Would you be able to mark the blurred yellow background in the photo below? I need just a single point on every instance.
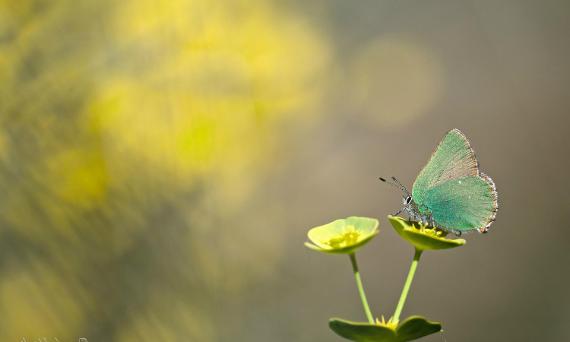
(161, 163)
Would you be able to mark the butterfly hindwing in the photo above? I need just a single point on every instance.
(463, 204)
(453, 158)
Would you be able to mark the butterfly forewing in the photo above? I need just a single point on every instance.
(453, 158)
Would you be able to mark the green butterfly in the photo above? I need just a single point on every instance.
(451, 192)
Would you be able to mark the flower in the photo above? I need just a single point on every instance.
(422, 237)
(342, 236)
(411, 328)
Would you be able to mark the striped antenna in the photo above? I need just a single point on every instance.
(396, 183)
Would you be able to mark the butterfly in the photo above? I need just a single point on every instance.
(451, 193)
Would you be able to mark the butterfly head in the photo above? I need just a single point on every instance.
(409, 207)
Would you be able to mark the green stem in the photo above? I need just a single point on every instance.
(407, 285)
(361, 288)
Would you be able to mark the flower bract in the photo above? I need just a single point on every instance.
(423, 237)
(410, 329)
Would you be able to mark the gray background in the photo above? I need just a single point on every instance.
(148, 244)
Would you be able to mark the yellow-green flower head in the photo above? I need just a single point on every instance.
(342, 236)
(422, 237)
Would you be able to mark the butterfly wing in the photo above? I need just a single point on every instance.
(453, 158)
(463, 204)
(452, 189)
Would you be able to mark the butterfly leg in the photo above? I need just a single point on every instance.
(431, 221)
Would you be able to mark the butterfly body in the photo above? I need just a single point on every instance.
(451, 192)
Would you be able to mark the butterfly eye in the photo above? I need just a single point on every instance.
(408, 199)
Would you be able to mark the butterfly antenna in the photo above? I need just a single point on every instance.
(396, 184)
(404, 189)
(388, 182)
(401, 186)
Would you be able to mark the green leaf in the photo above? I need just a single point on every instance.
(415, 327)
(412, 328)
(342, 236)
(362, 332)
(422, 237)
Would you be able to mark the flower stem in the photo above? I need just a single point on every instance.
(407, 285)
(361, 288)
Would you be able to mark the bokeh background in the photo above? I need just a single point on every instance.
(161, 162)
